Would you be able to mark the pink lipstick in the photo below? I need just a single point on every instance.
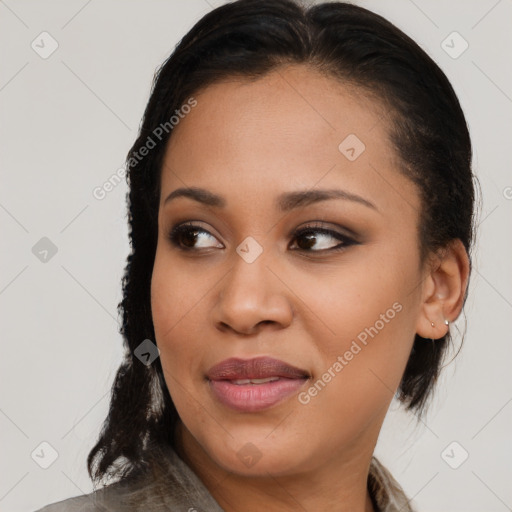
(251, 385)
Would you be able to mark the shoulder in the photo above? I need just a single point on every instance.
(111, 498)
(168, 485)
(153, 496)
(386, 492)
(71, 504)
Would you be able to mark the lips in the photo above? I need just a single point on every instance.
(252, 385)
(256, 368)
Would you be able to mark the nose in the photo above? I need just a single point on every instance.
(253, 297)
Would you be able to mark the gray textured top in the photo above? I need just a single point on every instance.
(173, 486)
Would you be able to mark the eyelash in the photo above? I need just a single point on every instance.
(345, 240)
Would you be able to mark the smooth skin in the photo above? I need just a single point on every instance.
(299, 301)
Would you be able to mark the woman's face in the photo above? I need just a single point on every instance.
(339, 302)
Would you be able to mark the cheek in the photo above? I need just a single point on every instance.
(176, 293)
(360, 371)
(371, 314)
(177, 296)
(169, 306)
(368, 295)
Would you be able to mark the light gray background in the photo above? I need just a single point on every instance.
(67, 124)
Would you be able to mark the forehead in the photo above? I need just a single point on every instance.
(292, 128)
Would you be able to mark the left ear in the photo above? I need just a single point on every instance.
(444, 290)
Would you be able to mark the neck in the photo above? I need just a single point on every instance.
(340, 484)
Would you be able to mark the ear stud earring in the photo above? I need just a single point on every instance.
(446, 322)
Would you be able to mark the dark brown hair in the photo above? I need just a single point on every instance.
(249, 38)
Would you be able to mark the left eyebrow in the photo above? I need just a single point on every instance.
(285, 202)
(291, 200)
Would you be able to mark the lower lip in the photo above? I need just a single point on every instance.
(254, 397)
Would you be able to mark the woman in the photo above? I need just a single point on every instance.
(301, 212)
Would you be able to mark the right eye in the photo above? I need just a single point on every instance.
(186, 236)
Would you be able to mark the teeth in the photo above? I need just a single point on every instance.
(241, 382)
(261, 381)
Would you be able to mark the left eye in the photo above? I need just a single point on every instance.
(321, 238)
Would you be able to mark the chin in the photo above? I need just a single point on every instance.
(256, 456)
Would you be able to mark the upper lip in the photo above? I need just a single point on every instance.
(255, 368)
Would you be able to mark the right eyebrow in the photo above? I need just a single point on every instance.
(200, 195)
